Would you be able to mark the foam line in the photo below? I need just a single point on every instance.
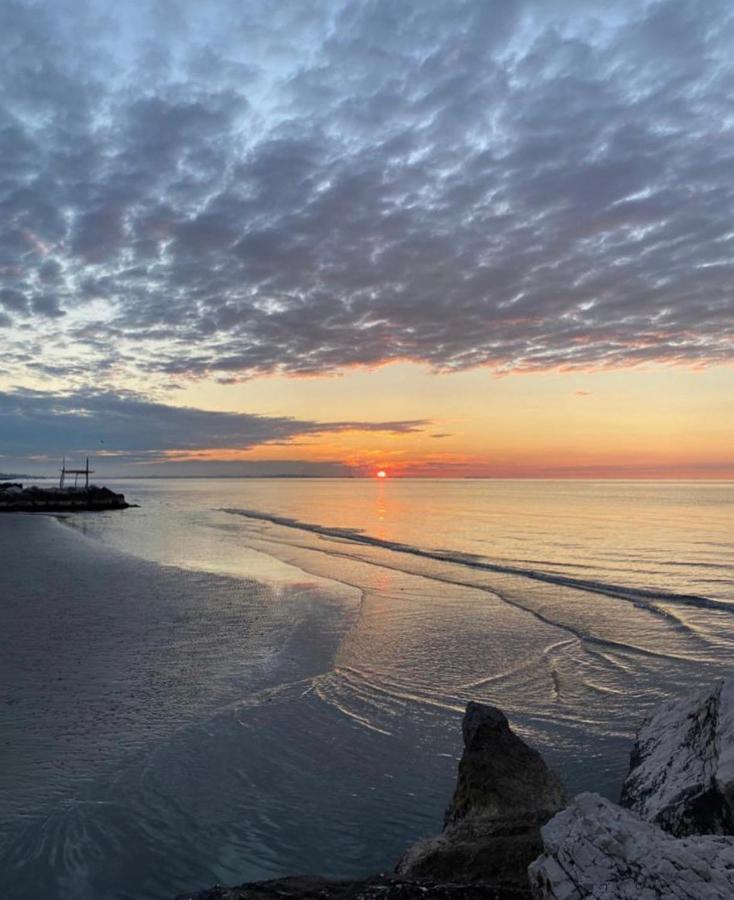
(355, 535)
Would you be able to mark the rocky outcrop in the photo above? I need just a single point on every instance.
(504, 793)
(377, 888)
(681, 779)
(682, 765)
(595, 849)
(16, 498)
(507, 835)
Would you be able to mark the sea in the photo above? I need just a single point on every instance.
(246, 678)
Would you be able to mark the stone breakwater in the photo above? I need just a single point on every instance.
(511, 833)
(16, 498)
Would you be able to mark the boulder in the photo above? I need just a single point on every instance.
(682, 765)
(595, 849)
(504, 793)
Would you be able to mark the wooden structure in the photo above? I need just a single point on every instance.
(86, 472)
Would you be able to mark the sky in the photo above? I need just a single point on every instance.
(437, 237)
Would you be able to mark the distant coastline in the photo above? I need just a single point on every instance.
(16, 476)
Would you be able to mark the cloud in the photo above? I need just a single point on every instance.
(132, 428)
(295, 188)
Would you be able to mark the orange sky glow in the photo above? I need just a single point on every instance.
(664, 422)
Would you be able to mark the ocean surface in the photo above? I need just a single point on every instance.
(244, 678)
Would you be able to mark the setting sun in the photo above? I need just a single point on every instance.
(382, 474)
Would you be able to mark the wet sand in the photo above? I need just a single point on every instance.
(158, 726)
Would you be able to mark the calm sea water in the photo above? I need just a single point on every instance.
(299, 654)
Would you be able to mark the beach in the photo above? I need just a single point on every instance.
(138, 717)
(199, 691)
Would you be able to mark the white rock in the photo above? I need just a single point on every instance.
(595, 850)
(682, 766)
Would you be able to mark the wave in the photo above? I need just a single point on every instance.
(641, 596)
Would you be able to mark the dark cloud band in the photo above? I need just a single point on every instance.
(35, 422)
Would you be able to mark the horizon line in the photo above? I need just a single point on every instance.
(292, 477)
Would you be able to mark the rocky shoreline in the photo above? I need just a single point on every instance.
(16, 498)
(511, 832)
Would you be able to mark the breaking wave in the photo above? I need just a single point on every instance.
(638, 596)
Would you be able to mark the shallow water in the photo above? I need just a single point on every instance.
(245, 678)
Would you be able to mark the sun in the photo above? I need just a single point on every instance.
(382, 474)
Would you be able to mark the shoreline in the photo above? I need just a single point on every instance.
(117, 677)
(293, 760)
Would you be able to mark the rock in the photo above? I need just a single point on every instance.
(504, 793)
(377, 888)
(682, 765)
(16, 498)
(595, 849)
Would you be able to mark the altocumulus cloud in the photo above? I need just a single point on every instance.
(243, 188)
(35, 422)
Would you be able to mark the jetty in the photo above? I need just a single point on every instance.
(81, 496)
